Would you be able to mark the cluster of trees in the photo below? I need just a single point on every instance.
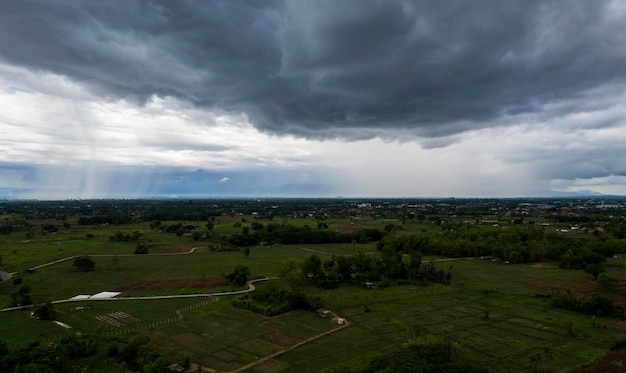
(274, 301)
(136, 355)
(50, 228)
(15, 226)
(591, 262)
(516, 244)
(49, 357)
(595, 304)
(289, 234)
(580, 258)
(184, 211)
(361, 269)
(68, 353)
(115, 218)
(179, 229)
(121, 237)
(22, 296)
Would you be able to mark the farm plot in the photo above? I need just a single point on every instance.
(226, 338)
(492, 315)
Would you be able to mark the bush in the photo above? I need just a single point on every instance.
(606, 282)
(141, 248)
(44, 311)
(239, 276)
(84, 263)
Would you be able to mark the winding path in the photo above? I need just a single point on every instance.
(192, 250)
(250, 288)
(250, 283)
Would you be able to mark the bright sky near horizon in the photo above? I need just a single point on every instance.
(126, 99)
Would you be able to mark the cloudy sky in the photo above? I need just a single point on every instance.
(312, 98)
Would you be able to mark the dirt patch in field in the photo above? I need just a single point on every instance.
(620, 326)
(167, 249)
(545, 286)
(281, 338)
(542, 265)
(612, 363)
(174, 284)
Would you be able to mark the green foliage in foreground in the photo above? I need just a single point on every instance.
(424, 355)
(71, 352)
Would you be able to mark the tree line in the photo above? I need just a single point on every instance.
(289, 234)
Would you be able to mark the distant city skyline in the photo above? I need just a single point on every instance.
(135, 99)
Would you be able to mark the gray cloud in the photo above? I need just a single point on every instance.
(321, 69)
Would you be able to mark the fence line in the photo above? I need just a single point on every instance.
(154, 324)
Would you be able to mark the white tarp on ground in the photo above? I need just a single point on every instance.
(105, 294)
(101, 295)
(82, 296)
(5, 275)
(62, 324)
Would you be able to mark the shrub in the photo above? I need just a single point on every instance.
(84, 263)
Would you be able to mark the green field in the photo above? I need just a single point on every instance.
(494, 311)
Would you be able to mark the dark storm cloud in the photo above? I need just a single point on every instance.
(325, 69)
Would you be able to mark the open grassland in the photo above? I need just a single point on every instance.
(493, 315)
(495, 312)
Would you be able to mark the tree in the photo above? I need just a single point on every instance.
(22, 296)
(44, 311)
(567, 259)
(290, 275)
(239, 276)
(606, 282)
(155, 366)
(312, 268)
(84, 263)
(246, 251)
(594, 270)
(141, 248)
(4, 349)
(414, 264)
(196, 235)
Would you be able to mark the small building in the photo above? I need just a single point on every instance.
(175, 368)
(322, 312)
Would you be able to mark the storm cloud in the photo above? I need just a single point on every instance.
(312, 98)
(333, 69)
